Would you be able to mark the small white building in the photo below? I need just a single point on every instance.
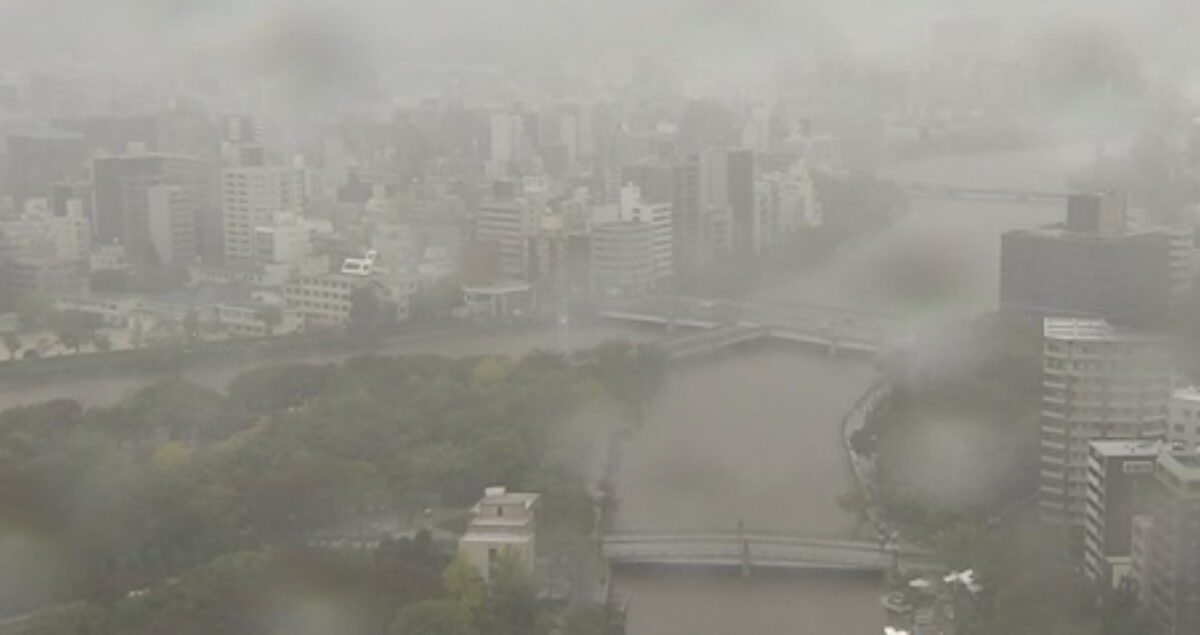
(501, 301)
(251, 319)
(503, 522)
(1183, 419)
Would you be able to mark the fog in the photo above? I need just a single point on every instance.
(584, 317)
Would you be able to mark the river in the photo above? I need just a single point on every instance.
(755, 436)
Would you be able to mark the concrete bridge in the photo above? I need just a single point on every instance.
(725, 323)
(751, 550)
(939, 191)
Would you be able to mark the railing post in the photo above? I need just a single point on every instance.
(745, 549)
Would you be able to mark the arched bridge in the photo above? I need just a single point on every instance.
(727, 322)
(749, 550)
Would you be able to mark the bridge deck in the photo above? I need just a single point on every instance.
(757, 550)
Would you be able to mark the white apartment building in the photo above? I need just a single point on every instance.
(171, 223)
(507, 139)
(622, 259)
(1183, 419)
(46, 254)
(513, 225)
(37, 233)
(784, 203)
(326, 299)
(249, 198)
(658, 217)
(1099, 382)
(287, 238)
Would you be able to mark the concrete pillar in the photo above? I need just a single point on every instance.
(745, 549)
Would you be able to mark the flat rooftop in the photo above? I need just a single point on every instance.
(1189, 393)
(1095, 329)
(1185, 467)
(1128, 447)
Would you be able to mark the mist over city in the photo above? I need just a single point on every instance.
(569, 317)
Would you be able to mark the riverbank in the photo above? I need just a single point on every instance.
(863, 467)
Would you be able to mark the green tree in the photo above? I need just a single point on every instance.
(511, 605)
(632, 375)
(271, 388)
(464, 585)
(76, 618)
(434, 617)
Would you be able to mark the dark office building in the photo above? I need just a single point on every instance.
(1093, 267)
(38, 159)
(677, 183)
(741, 200)
(120, 189)
(1119, 473)
(63, 192)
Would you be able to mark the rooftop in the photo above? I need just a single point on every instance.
(1185, 467)
(1128, 447)
(508, 286)
(474, 535)
(501, 496)
(1094, 329)
(1189, 393)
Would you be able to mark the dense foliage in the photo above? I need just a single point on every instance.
(181, 489)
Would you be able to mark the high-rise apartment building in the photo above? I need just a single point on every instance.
(658, 216)
(250, 196)
(622, 259)
(1098, 382)
(1172, 572)
(509, 225)
(171, 224)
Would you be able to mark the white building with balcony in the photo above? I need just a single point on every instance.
(1098, 382)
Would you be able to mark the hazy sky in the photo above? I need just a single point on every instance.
(699, 33)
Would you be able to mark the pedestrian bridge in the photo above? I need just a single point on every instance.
(750, 550)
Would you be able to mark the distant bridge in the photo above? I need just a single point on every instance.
(724, 323)
(750, 550)
(941, 191)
